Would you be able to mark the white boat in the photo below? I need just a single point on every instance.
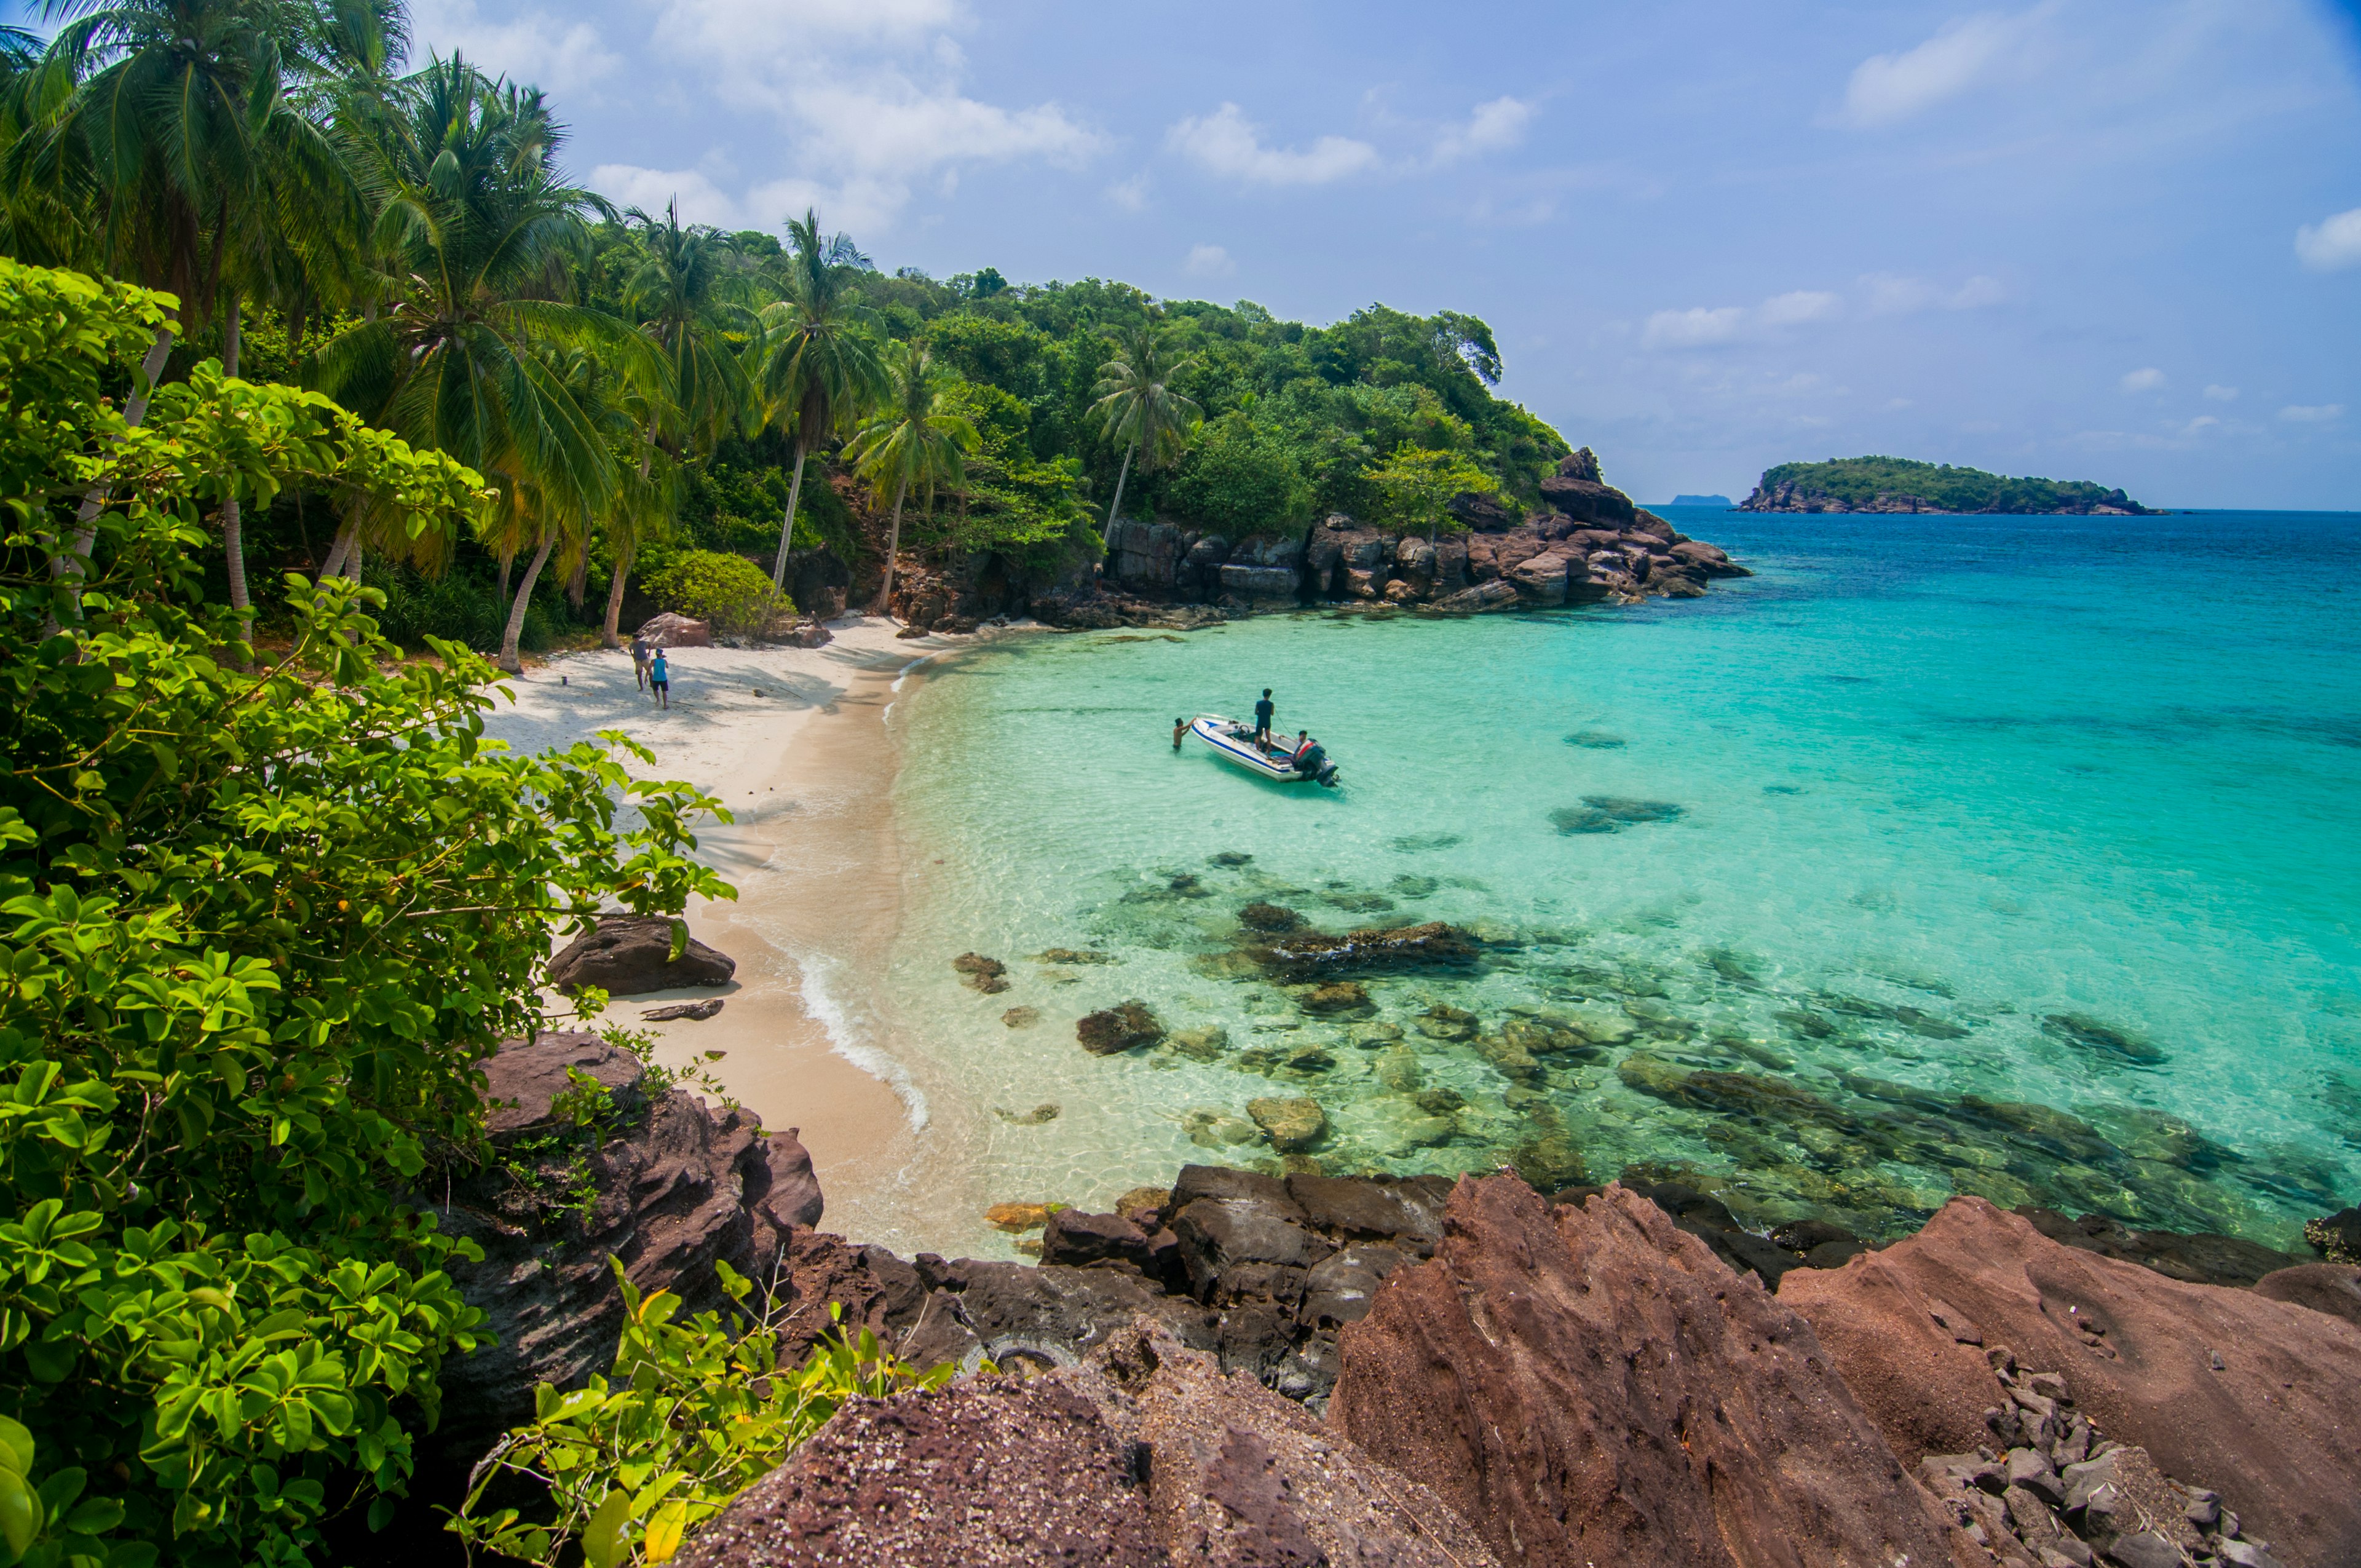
(1235, 741)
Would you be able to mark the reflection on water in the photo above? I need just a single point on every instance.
(1880, 878)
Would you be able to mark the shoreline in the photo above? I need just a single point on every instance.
(807, 771)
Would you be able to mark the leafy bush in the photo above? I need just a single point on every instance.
(1240, 480)
(260, 923)
(459, 607)
(729, 591)
(691, 1415)
(1417, 485)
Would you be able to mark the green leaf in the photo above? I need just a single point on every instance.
(605, 1541)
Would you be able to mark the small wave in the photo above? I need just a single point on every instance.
(822, 978)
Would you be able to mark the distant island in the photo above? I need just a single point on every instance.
(1899, 485)
(1700, 501)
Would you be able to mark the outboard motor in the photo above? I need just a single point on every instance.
(1326, 776)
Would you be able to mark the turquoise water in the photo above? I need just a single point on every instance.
(2011, 856)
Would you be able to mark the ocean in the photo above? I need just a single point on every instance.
(2010, 856)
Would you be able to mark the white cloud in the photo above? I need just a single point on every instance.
(2145, 380)
(891, 127)
(1130, 194)
(1890, 295)
(701, 202)
(2219, 394)
(775, 25)
(1694, 328)
(2201, 424)
(1799, 307)
(1494, 126)
(531, 47)
(2331, 243)
(1966, 53)
(1226, 143)
(2312, 413)
(1209, 261)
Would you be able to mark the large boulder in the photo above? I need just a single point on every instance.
(2228, 1388)
(817, 582)
(1589, 1385)
(2330, 1287)
(1260, 585)
(661, 1184)
(671, 630)
(628, 955)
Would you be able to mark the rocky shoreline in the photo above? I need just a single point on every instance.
(1250, 1367)
(1587, 544)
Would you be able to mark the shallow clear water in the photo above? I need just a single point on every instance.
(2013, 856)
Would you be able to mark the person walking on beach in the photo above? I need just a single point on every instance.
(660, 680)
(1263, 711)
(639, 659)
(1179, 728)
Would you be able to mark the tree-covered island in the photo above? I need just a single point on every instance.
(1900, 485)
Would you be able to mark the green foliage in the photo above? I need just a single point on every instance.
(1241, 480)
(1009, 501)
(727, 591)
(460, 607)
(1418, 485)
(691, 1415)
(256, 926)
(1857, 481)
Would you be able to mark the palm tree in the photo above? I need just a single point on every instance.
(911, 442)
(690, 294)
(478, 225)
(533, 516)
(179, 110)
(821, 365)
(1137, 406)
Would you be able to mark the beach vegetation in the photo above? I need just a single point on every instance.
(728, 592)
(1418, 486)
(910, 442)
(691, 1414)
(261, 913)
(1139, 410)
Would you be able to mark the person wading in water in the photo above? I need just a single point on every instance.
(1179, 728)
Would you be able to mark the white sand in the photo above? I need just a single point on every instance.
(807, 768)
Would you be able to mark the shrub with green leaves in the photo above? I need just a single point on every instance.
(259, 918)
(728, 592)
(691, 1415)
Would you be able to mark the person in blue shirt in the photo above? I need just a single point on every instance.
(660, 680)
(1263, 711)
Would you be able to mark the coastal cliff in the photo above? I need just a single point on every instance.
(1587, 544)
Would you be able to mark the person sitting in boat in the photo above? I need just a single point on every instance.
(1301, 740)
(1308, 761)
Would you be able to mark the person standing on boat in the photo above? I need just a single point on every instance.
(1263, 711)
(1179, 728)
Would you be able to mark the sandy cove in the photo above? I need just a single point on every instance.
(807, 769)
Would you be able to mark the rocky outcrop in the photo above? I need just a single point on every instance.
(2330, 1287)
(2227, 1387)
(1144, 1453)
(1590, 1385)
(817, 582)
(671, 630)
(589, 1166)
(627, 955)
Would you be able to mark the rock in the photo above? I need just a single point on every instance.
(672, 1189)
(1339, 1288)
(1079, 1240)
(1408, 1211)
(1074, 955)
(2330, 1287)
(1340, 996)
(1124, 1026)
(1494, 594)
(1007, 1470)
(693, 1012)
(1444, 1022)
(670, 630)
(1304, 954)
(980, 973)
(1141, 1204)
(1259, 586)
(1540, 579)
(1221, 1237)
(1269, 917)
(1292, 1124)
(1041, 1116)
(1021, 1017)
(2031, 1469)
(2336, 1236)
(1204, 1042)
(2198, 1259)
(1524, 1373)
(1709, 558)
(1018, 1218)
(627, 955)
(2137, 1348)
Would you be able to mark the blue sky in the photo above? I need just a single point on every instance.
(2112, 239)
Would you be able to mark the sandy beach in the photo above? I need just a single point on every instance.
(795, 742)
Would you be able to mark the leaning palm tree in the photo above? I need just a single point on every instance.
(1137, 406)
(912, 441)
(821, 365)
(534, 517)
(478, 226)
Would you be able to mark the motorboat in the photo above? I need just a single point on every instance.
(1235, 741)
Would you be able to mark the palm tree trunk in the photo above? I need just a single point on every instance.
(612, 636)
(509, 660)
(67, 567)
(232, 524)
(788, 527)
(892, 546)
(508, 559)
(338, 549)
(578, 585)
(1119, 479)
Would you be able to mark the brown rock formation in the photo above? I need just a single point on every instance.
(631, 954)
(2257, 1397)
(1590, 1386)
(2330, 1287)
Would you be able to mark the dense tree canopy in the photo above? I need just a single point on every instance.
(1860, 481)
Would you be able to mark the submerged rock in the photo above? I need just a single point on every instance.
(1021, 1017)
(2105, 1039)
(980, 973)
(1292, 1124)
(1610, 813)
(1269, 917)
(1124, 1026)
(1343, 996)
(1019, 1218)
(1303, 954)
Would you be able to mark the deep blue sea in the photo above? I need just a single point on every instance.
(2015, 856)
